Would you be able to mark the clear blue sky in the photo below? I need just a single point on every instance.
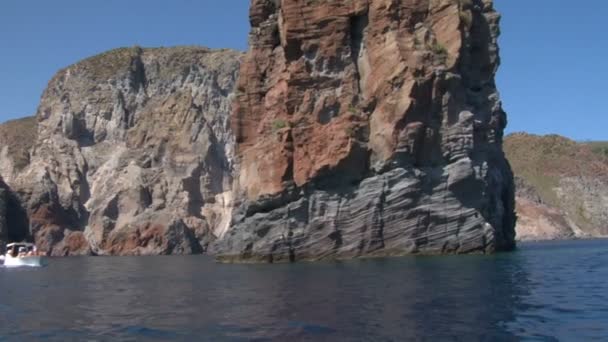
(552, 78)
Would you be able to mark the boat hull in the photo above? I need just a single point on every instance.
(31, 261)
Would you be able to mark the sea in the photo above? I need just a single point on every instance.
(546, 291)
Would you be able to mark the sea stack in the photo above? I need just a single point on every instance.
(369, 128)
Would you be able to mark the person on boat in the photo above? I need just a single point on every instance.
(22, 252)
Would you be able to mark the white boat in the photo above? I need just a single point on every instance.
(22, 254)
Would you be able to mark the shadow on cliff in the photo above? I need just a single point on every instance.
(17, 219)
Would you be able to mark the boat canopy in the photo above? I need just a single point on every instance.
(20, 244)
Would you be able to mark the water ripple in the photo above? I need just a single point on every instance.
(543, 292)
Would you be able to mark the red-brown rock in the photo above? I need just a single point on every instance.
(336, 95)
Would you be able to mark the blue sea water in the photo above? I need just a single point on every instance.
(544, 291)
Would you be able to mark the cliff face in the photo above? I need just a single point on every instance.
(562, 186)
(133, 153)
(13, 219)
(3, 212)
(536, 219)
(360, 129)
(369, 128)
(17, 137)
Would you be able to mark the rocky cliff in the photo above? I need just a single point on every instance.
(17, 138)
(13, 219)
(562, 186)
(358, 129)
(369, 128)
(133, 154)
(3, 212)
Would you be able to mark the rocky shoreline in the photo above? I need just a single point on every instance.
(374, 131)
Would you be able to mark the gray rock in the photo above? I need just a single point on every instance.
(402, 211)
(389, 139)
(350, 145)
(3, 207)
(133, 153)
(13, 218)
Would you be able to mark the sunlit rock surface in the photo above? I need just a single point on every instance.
(133, 153)
(369, 128)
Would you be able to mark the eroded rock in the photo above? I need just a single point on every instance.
(369, 129)
(133, 153)
(14, 222)
(360, 129)
(3, 208)
(561, 186)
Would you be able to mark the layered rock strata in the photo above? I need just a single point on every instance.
(133, 153)
(369, 128)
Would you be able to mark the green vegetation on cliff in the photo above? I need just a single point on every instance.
(566, 174)
(599, 147)
(110, 63)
